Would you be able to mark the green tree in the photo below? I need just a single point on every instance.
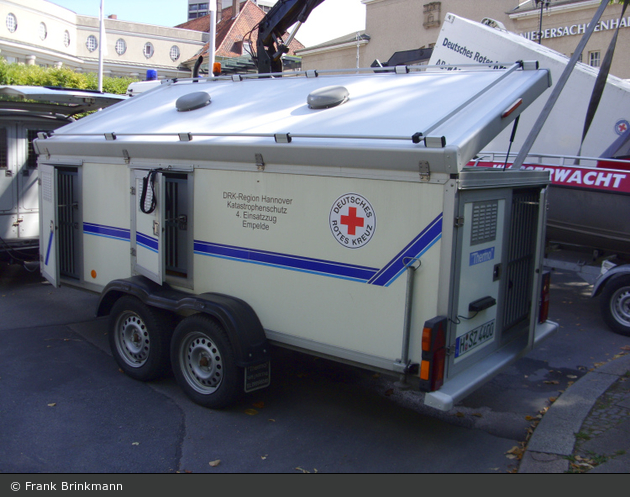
(64, 77)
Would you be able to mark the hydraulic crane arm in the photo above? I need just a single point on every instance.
(270, 46)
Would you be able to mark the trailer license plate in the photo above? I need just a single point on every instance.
(257, 377)
(474, 338)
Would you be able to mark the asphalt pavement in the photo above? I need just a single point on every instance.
(587, 429)
(82, 415)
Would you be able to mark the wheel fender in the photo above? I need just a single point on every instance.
(615, 272)
(237, 317)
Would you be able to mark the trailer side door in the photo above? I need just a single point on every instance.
(147, 224)
(48, 244)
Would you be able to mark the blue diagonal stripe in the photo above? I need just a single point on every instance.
(286, 261)
(418, 246)
(146, 241)
(106, 231)
(383, 277)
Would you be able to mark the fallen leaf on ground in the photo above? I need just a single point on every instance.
(214, 464)
(251, 412)
(259, 405)
(551, 382)
(52, 405)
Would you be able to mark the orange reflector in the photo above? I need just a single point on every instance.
(425, 370)
(512, 108)
(216, 68)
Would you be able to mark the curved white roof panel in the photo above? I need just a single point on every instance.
(63, 101)
(440, 116)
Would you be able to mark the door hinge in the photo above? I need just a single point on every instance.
(450, 350)
(425, 171)
(260, 163)
(459, 221)
(133, 251)
(132, 190)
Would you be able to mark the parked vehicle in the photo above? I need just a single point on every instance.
(330, 213)
(26, 111)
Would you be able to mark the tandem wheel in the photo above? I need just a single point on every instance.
(139, 339)
(203, 362)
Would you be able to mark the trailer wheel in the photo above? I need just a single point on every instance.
(139, 338)
(203, 362)
(615, 305)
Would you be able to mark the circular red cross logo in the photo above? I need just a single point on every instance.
(352, 220)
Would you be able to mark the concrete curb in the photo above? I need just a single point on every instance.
(554, 437)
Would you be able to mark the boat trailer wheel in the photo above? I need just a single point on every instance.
(615, 305)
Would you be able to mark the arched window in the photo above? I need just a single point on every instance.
(148, 50)
(11, 23)
(121, 46)
(42, 31)
(175, 53)
(91, 43)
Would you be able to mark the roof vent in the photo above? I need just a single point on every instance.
(329, 96)
(192, 101)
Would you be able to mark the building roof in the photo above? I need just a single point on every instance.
(232, 31)
(342, 40)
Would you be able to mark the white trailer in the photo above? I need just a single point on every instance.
(26, 111)
(328, 213)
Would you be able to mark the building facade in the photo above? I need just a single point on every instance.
(236, 38)
(42, 33)
(201, 9)
(400, 25)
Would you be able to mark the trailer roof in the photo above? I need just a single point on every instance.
(63, 101)
(427, 114)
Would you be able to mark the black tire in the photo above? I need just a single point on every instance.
(615, 304)
(203, 363)
(139, 339)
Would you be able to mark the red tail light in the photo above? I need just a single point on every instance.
(544, 297)
(433, 354)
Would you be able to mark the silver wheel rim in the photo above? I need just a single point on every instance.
(620, 306)
(201, 363)
(132, 339)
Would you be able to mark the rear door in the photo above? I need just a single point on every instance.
(480, 242)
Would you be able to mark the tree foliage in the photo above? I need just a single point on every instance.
(64, 77)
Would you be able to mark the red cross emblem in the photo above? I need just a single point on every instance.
(352, 221)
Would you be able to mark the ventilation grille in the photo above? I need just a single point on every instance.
(484, 222)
